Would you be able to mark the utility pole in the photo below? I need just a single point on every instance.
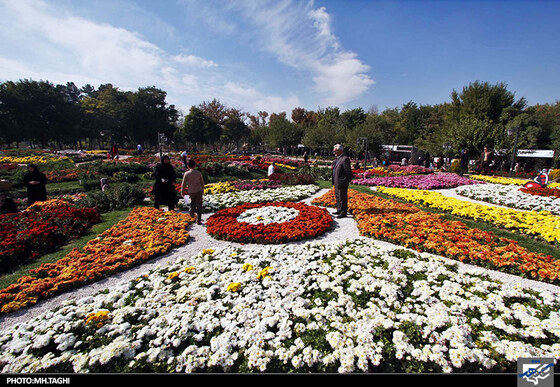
(515, 130)
(364, 141)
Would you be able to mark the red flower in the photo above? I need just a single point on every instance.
(41, 228)
(310, 222)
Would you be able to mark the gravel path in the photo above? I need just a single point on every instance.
(343, 229)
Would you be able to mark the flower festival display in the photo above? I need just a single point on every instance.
(533, 199)
(146, 232)
(277, 222)
(347, 306)
(235, 198)
(254, 293)
(41, 228)
(541, 224)
(499, 179)
(406, 225)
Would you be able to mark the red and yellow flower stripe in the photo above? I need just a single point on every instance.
(146, 232)
(41, 228)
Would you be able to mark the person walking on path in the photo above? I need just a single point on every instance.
(341, 178)
(35, 181)
(485, 160)
(193, 184)
(184, 158)
(164, 189)
(464, 162)
(114, 152)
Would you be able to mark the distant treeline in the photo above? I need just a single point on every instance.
(48, 115)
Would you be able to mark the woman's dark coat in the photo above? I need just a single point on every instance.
(164, 193)
(35, 192)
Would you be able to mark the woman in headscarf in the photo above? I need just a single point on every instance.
(35, 181)
(164, 189)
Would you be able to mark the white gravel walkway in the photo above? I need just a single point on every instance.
(343, 229)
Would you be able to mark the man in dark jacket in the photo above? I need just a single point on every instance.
(341, 178)
(35, 181)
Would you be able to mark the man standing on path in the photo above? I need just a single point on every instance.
(341, 178)
(193, 180)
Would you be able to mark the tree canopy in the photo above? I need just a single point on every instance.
(44, 114)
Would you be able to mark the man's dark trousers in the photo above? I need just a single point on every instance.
(341, 195)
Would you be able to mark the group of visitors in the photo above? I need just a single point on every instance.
(192, 184)
(192, 187)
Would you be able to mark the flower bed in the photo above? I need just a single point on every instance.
(146, 232)
(320, 307)
(277, 222)
(249, 185)
(432, 181)
(238, 185)
(541, 191)
(535, 199)
(231, 199)
(39, 229)
(541, 224)
(409, 169)
(406, 225)
(62, 175)
(500, 180)
(34, 159)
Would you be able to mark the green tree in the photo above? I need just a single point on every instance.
(37, 111)
(282, 133)
(147, 114)
(484, 101)
(200, 129)
(375, 129)
(104, 114)
(351, 119)
(327, 132)
(474, 134)
(235, 130)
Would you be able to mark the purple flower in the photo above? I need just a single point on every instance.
(432, 181)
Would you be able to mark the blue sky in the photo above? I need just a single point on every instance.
(275, 55)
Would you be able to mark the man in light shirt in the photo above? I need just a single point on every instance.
(193, 182)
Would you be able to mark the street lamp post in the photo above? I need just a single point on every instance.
(363, 141)
(447, 146)
(511, 131)
(161, 139)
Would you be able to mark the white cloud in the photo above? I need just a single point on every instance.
(54, 44)
(192, 60)
(256, 101)
(42, 40)
(322, 22)
(301, 36)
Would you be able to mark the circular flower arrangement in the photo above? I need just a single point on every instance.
(267, 223)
